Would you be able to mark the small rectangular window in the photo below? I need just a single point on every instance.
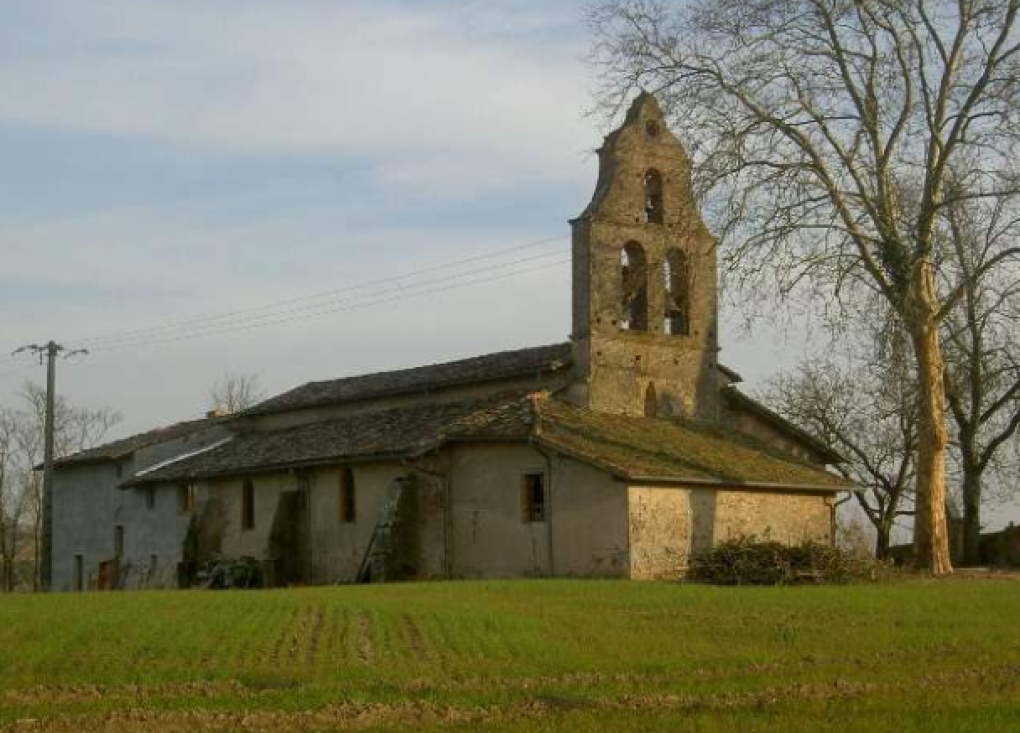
(79, 572)
(150, 498)
(185, 498)
(118, 541)
(347, 497)
(248, 505)
(533, 497)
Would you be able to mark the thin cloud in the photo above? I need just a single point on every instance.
(304, 78)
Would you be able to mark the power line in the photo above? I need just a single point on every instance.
(357, 305)
(198, 321)
(317, 308)
(249, 318)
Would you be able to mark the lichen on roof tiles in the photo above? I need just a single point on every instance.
(390, 433)
(673, 449)
(630, 447)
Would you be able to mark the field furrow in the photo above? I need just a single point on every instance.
(516, 656)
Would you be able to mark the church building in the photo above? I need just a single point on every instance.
(619, 453)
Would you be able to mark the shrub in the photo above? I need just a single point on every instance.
(749, 561)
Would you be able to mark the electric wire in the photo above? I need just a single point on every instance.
(343, 306)
(225, 325)
(239, 314)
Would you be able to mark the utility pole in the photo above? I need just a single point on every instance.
(49, 352)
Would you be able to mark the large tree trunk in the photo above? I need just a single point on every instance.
(972, 487)
(931, 536)
(882, 540)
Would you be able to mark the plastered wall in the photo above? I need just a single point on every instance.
(584, 533)
(336, 548)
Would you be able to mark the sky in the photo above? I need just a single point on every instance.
(168, 161)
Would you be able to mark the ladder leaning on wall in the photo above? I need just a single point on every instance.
(373, 564)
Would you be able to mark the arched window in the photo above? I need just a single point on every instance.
(676, 272)
(633, 288)
(653, 196)
(651, 401)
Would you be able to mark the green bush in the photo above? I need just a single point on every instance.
(749, 561)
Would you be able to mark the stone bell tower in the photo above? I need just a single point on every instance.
(644, 280)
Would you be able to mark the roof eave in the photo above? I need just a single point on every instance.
(741, 485)
(277, 467)
(730, 374)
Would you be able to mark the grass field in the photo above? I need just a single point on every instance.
(517, 656)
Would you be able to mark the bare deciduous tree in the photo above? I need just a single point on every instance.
(982, 356)
(807, 120)
(12, 498)
(21, 450)
(867, 412)
(235, 391)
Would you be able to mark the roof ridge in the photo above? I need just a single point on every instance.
(447, 362)
(493, 366)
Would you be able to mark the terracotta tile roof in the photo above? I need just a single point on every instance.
(639, 448)
(490, 367)
(633, 448)
(118, 449)
(394, 433)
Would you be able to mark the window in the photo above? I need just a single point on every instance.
(653, 196)
(248, 504)
(651, 401)
(676, 272)
(633, 288)
(533, 497)
(185, 498)
(347, 497)
(118, 541)
(150, 498)
(652, 128)
(79, 572)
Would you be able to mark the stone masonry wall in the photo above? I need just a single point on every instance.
(670, 523)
